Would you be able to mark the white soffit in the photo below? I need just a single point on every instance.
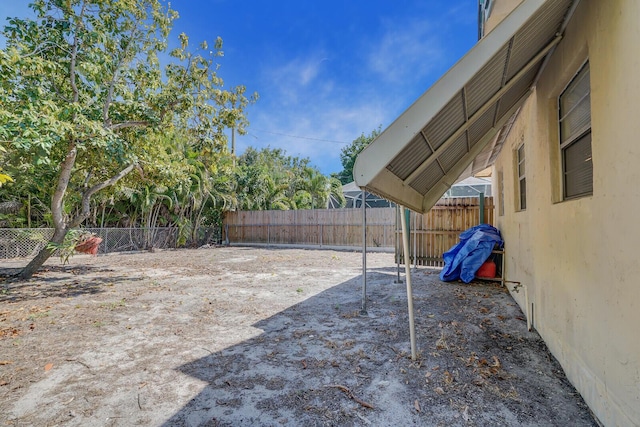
(422, 153)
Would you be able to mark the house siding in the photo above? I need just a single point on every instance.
(500, 10)
(578, 258)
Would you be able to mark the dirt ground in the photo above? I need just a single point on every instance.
(253, 336)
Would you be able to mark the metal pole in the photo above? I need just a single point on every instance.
(396, 243)
(481, 208)
(407, 271)
(363, 310)
(407, 218)
(415, 241)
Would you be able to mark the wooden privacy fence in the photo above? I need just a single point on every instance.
(435, 232)
(432, 234)
(317, 227)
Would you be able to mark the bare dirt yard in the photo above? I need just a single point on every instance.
(252, 336)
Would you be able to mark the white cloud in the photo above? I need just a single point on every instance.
(410, 50)
(294, 76)
(318, 131)
(310, 101)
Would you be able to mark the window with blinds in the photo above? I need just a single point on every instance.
(575, 136)
(522, 180)
(500, 193)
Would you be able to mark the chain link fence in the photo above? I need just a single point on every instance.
(27, 242)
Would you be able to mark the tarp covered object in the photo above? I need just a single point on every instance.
(464, 259)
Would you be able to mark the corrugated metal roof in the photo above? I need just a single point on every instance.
(416, 159)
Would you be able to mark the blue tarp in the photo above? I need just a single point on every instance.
(464, 259)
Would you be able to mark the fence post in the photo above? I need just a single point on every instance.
(384, 235)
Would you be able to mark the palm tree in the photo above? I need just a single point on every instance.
(318, 187)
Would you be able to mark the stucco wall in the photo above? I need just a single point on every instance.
(579, 259)
(499, 11)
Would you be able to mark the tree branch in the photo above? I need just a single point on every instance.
(86, 196)
(116, 74)
(129, 124)
(74, 57)
(57, 199)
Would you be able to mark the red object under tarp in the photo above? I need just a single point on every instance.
(89, 246)
(487, 270)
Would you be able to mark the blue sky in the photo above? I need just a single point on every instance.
(327, 71)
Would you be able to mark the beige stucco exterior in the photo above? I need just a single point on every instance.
(579, 259)
(499, 10)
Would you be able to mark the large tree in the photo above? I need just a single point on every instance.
(270, 179)
(349, 153)
(83, 92)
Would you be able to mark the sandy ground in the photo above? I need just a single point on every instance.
(246, 336)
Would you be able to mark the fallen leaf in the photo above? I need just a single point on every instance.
(479, 381)
(48, 366)
(448, 378)
(416, 405)
(439, 390)
(465, 413)
(496, 362)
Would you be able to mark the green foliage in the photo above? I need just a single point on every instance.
(84, 100)
(96, 129)
(84, 78)
(269, 179)
(349, 153)
(68, 247)
(4, 178)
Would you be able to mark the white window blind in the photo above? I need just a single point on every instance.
(575, 136)
(522, 180)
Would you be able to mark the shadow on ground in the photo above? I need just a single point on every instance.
(321, 363)
(60, 282)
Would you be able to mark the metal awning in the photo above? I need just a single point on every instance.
(422, 153)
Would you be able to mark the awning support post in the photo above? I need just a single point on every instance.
(397, 243)
(407, 270)
(363, 309)
(481, 208)
(415, 241)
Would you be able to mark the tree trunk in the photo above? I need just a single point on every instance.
(44, 254)
(66, 168)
